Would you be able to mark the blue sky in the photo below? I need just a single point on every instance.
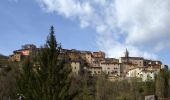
(25, 22)
(107, 25)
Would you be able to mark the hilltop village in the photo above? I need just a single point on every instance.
(97, 63)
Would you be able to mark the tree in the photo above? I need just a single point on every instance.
(28, 84)
(8, 77)
(50, 79)
(101, 87)
(162, 83)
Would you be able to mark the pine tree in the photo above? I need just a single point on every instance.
(27, 85)
(51, 75)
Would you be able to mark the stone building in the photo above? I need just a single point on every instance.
(154, 65)
(128, 63)
(151, 62)
(19, 55)
(137, 61)
(95, 70)
(112, 60)
(142, 73)
(73, 54)
(96, 62)
(125, 67)
(112, 69)
(99, 54)
(75, 65)
(86, 55)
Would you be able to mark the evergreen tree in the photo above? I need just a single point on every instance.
(53, 71)
(28, 83)
(50, 79)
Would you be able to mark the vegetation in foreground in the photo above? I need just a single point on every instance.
(48, 77)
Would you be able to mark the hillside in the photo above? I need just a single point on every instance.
(3, 56)
(3, 59)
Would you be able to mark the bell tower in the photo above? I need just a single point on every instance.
(127, 55)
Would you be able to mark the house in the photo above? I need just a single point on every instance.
(112, 60)
(95, 70)
(164, 66)
(99, 54)
(135, 72)
(138, 61)
(150, 97)
(125, 67)
(73, 54)
(75, 66)
(97, 61)
(148, 75)
(87, 56)
(151, 62)
(142, 73)
(19, 55)
(112, 69)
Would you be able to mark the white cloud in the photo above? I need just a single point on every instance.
(120, 24)
(145, 21)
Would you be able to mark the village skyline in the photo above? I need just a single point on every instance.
(88, 28)
(84, 49)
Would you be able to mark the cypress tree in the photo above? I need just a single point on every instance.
(51, 75)
(27, 84)
(53, 71)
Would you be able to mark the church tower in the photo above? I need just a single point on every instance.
(127, 55)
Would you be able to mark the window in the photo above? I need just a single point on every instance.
(95, 72)
(90, 72)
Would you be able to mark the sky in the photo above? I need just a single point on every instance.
(141, 26)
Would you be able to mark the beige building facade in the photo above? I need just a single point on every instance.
(95, 70)
(75, 65)
(142, 73)
(97, 62)
(112, 69)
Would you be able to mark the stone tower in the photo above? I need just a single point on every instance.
(126, 55)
